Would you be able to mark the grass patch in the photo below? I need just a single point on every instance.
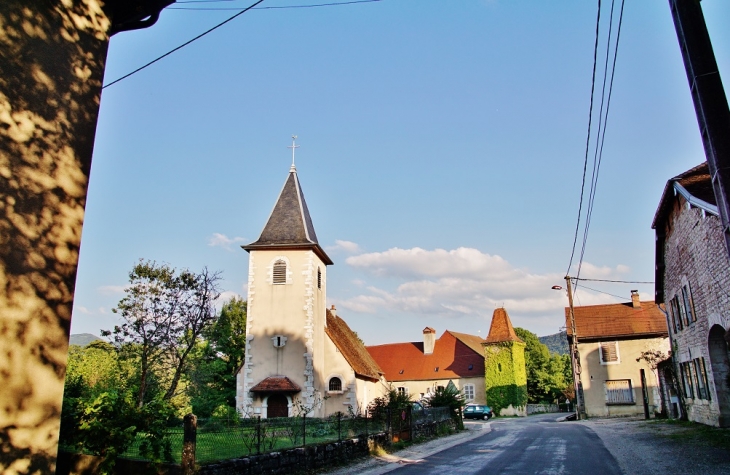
(686, 431)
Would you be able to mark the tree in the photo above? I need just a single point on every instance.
(215, 361)
(165, 312)
(545, 372)
(450, 397)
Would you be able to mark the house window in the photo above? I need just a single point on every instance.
(672, 316)
(402, 390)
(688, 304)
(687, 380)
(279, 273)
(618, 391)
(699, 369)
(609, 352)
(319, 278)
(675, 308)
(469, 392)
(335, 384)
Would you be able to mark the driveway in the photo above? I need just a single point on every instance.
(540, 445)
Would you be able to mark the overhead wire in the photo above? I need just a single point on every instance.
(280, 7)
(588, 138)
(184, 44)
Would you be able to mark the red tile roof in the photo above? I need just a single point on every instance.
(501, 328)
(352, 348)
(453, 353)
(276, 384)
(619, 320)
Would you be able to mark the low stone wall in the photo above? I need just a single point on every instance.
(540, 408)
(430, 428)
(297, 460)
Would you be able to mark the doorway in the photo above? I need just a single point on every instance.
(278, 406)
(720, 369)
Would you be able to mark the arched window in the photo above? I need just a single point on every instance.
(335, 384)
(279, 272)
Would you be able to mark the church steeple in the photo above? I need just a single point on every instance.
(290, 225)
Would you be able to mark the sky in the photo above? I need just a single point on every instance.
(442, 145)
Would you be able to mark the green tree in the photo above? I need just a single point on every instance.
(215, 362)
(165, 313)
(545, 372)
(450, 397)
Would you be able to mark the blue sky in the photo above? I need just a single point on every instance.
(442, 146)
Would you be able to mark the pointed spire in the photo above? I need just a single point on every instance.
(501, 328)
(290, 225)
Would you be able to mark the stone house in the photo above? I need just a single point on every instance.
(693, 281)
(300, 356)
(418, 368)
(611, 338)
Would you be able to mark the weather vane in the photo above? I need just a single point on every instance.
(293, 148)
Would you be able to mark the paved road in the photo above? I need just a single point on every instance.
(531, 445)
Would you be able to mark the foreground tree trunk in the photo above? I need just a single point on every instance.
(52, 56)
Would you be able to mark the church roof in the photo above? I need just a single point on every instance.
(352, 348)
(276, 384)
(290, 225)
(455, 355)
(501, 329)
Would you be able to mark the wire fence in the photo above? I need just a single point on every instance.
(224, 439)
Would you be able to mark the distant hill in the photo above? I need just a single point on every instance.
(556, 343)
(83, 339)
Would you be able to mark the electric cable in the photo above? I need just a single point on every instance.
(282, 7)
(588, 138)
(184, 44)
(614, 281)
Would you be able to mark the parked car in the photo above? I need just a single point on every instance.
(476, 411)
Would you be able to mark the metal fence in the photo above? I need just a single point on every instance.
(541, 408)
(221, 439)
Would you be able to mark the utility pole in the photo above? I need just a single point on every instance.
(709, 100)
(575, 355)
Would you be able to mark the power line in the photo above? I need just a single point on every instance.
(602, 292)
(614, 281)
(282, 7)
(588, 138)
(184, 44)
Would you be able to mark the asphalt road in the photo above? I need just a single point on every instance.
(529, 445)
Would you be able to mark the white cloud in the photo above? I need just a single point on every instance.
(111, 289)
(227, 295)
(83, 310)
(221, 240)
(463, 282)
(346, 246)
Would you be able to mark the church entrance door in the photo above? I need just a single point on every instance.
(277, 406)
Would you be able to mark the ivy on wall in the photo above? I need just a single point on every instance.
(505, 375)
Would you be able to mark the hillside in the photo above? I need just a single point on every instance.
(556, 343)
(83, 339)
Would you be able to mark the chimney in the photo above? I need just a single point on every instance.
(429, 340)
(635, 302)
(333, 311)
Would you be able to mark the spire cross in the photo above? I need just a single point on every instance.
(293, 148)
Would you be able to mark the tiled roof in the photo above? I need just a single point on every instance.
(696, 181)
(352, 348)
(276, 384)
(619, 320)
(289, 225)
(501, 328)
(452, 355)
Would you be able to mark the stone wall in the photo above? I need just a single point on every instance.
(299, 460)
(695, 255)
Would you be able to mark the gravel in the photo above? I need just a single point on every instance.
(647, 447)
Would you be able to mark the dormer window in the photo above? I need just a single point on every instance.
(279, 272)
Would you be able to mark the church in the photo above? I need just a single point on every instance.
(301, 357)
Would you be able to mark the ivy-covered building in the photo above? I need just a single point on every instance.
(504, 367)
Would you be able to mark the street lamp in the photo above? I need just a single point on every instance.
(574, 355)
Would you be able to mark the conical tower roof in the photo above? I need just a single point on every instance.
(289, 225)
(501, 329)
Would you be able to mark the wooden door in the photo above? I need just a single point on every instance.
(277, 406)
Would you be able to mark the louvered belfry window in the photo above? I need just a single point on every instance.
(609, 352)
(280, 272)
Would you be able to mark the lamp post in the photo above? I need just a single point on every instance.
(574, 354)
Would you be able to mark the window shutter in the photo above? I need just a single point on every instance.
(609, 353)
(279, 272)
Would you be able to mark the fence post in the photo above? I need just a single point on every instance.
(387, 425)
(258, 434)
(190, 429)
(304, 430)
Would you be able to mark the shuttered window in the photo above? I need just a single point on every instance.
(609, 352)
(688, 304)
(319, 278)
(619, 391)
(469, 392)
(279, 273)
